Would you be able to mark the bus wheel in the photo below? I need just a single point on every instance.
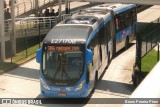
(127, 43)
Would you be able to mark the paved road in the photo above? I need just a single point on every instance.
(23, 82)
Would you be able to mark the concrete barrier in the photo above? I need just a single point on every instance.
(149, 88)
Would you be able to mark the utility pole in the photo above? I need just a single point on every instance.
(67, 10)
(36, 7)
(13, 26)
(69, 7)
(60, 10)
(2, 33)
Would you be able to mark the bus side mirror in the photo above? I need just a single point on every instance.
(39, 55)
(89, 56)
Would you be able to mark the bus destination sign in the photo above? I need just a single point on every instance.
(63, 48)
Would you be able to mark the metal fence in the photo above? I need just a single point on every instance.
(29, 34)
(32, 25)
(147, 40)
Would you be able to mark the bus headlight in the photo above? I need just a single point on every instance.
(80, 86)
(44, 85)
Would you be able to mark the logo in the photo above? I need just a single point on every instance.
(6, 101)
(21, 101)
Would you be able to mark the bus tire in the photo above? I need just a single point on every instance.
(127, 43)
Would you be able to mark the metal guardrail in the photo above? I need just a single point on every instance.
(32, 25)
(29, 33)
(147, 39)
(23, 6)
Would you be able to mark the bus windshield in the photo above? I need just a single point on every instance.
(62, 64)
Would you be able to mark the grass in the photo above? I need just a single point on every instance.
(149, 61)
(20, 58)
(25, 55)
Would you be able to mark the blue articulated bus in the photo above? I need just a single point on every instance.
(76, 51)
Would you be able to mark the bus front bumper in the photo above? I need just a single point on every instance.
(67, 94)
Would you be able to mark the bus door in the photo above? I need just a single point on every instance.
(94, 66)
(108, 40)
(119, 26)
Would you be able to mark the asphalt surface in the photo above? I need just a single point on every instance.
(23, 82)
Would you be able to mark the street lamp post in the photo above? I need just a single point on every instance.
(69, 10)
(36, 7)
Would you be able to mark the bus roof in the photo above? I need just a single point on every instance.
(64, 34)
(80, 26)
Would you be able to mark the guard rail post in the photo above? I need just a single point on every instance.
(158, 52)
(26, 43)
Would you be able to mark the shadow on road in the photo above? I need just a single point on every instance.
(25, 72)
(122, 50)
(114, 87)
(118, 89)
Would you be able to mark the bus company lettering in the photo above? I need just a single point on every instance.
(63, 48)
(72, 41)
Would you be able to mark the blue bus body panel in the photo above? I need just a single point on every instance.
(68, 90)
(124, 33)
(124, 9)
(121, 35)
(97, 30)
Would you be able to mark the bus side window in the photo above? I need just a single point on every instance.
(127, 19)
(121, 21)
(108, 28)
(133, 15)
(117, 24)
(107, 36)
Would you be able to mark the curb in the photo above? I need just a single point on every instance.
(15, 66)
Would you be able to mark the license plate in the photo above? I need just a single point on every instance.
(62, 94)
